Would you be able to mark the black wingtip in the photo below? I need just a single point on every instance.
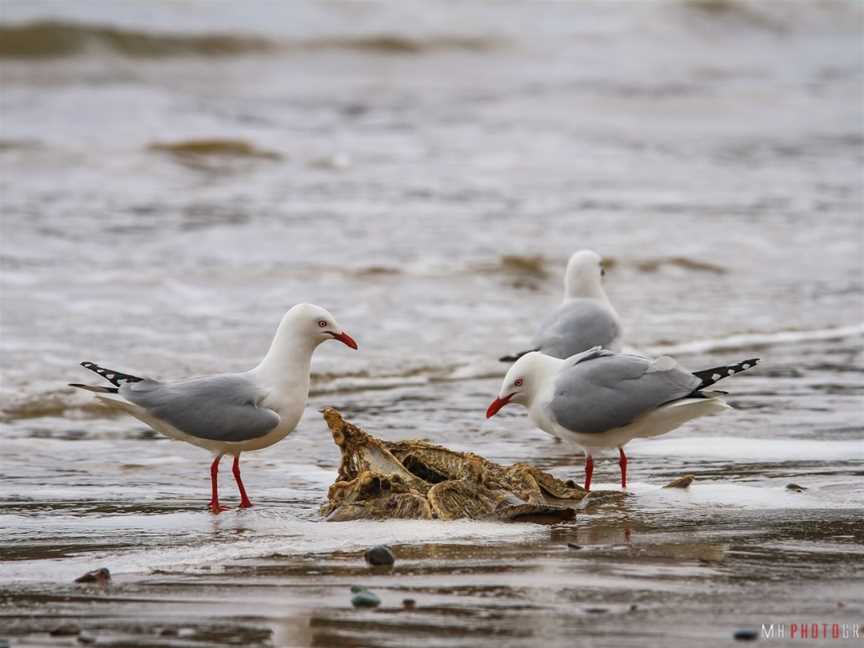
(715, 374)
(111, 375)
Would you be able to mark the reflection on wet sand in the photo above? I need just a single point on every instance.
(593, 574)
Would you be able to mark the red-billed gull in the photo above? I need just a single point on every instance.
(233, 412)
(584, 319)
(601, 399)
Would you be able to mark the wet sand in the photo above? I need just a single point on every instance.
(735, 550)
(637, 577)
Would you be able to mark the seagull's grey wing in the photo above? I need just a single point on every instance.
(219, 408)
(604, 391)
(575, 326)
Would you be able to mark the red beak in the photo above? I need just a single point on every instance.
(496, 405)
(345, 339)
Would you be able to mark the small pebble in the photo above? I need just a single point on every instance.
(795, 487)
(409, 604)
(101, 576)
(365, 599)
(168, 632)
(596, 610)
(358, 588)
(573, 545)
(633, 607)
(66, 630)
(745, 635)
(86, 639)
(380, 555)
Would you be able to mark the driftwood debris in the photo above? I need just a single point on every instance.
(416, 479)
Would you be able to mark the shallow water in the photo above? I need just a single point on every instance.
(426, 179)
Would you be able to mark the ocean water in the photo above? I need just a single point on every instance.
(174, 176)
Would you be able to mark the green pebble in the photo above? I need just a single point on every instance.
(365, 599)
(358, 588)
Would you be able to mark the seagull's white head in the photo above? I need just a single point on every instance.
(316, 324)
(584, 275)
(522, 381)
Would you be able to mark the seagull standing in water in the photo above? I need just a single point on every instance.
(601, 399)
(584, 319)
(233, 412)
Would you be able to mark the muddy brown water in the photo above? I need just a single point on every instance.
(171, 180)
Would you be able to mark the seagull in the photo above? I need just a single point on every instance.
(584, 319)
(602, 399)
(233, 412)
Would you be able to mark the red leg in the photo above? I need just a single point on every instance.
(215, 507)
(589, 470)
(622, 461)
(244, 501)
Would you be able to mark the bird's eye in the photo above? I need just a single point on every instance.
(322, 323)
(518, 382)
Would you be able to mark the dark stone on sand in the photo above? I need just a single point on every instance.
(86, 639)
(66, 630)
(409, 604)
(573, 545)
(380, 555)
(795, 487)
(745, 635)
(633, 607)
(101, 575)
(358, 588)
(365, 599)
(596, 610)
(168, 632)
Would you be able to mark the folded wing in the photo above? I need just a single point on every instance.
(575, 326)
(219, 408)
(599, 391)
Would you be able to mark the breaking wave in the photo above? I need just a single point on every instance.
(58, 39)
(47, 405)
(214, 147)
(685, 263)
(18, 145)
(744, 341)
(538, 267)
(53, 39)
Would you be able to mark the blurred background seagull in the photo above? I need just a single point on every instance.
(585, 318)
(233, 412)
(602, 399)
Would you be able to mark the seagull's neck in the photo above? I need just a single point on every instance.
(288, 361)
(578, 288)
